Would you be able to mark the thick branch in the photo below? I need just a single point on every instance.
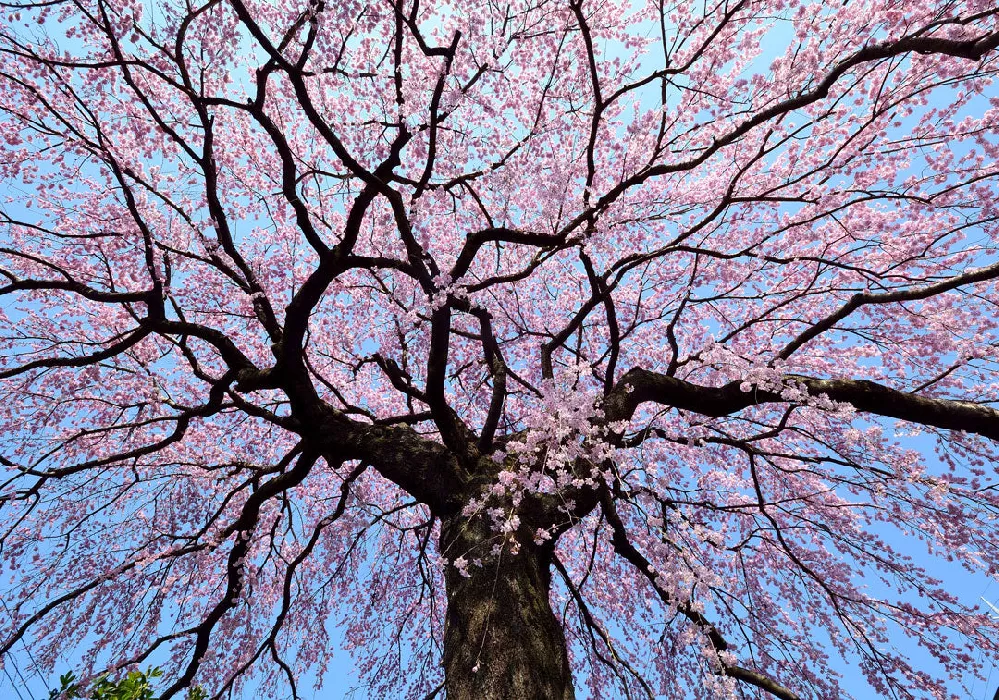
(422, 467)
(639, 386)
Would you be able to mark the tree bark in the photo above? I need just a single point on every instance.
(502, 640)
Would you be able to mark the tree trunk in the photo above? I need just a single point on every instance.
(502, 640)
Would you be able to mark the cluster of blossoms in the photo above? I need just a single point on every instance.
(446, 288)
(564, 446)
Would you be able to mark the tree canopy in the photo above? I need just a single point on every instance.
(543, 346)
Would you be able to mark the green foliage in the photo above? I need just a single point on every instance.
(136, 685)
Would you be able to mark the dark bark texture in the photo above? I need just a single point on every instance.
(502, 640)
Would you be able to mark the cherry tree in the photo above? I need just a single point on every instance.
(639, 349)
